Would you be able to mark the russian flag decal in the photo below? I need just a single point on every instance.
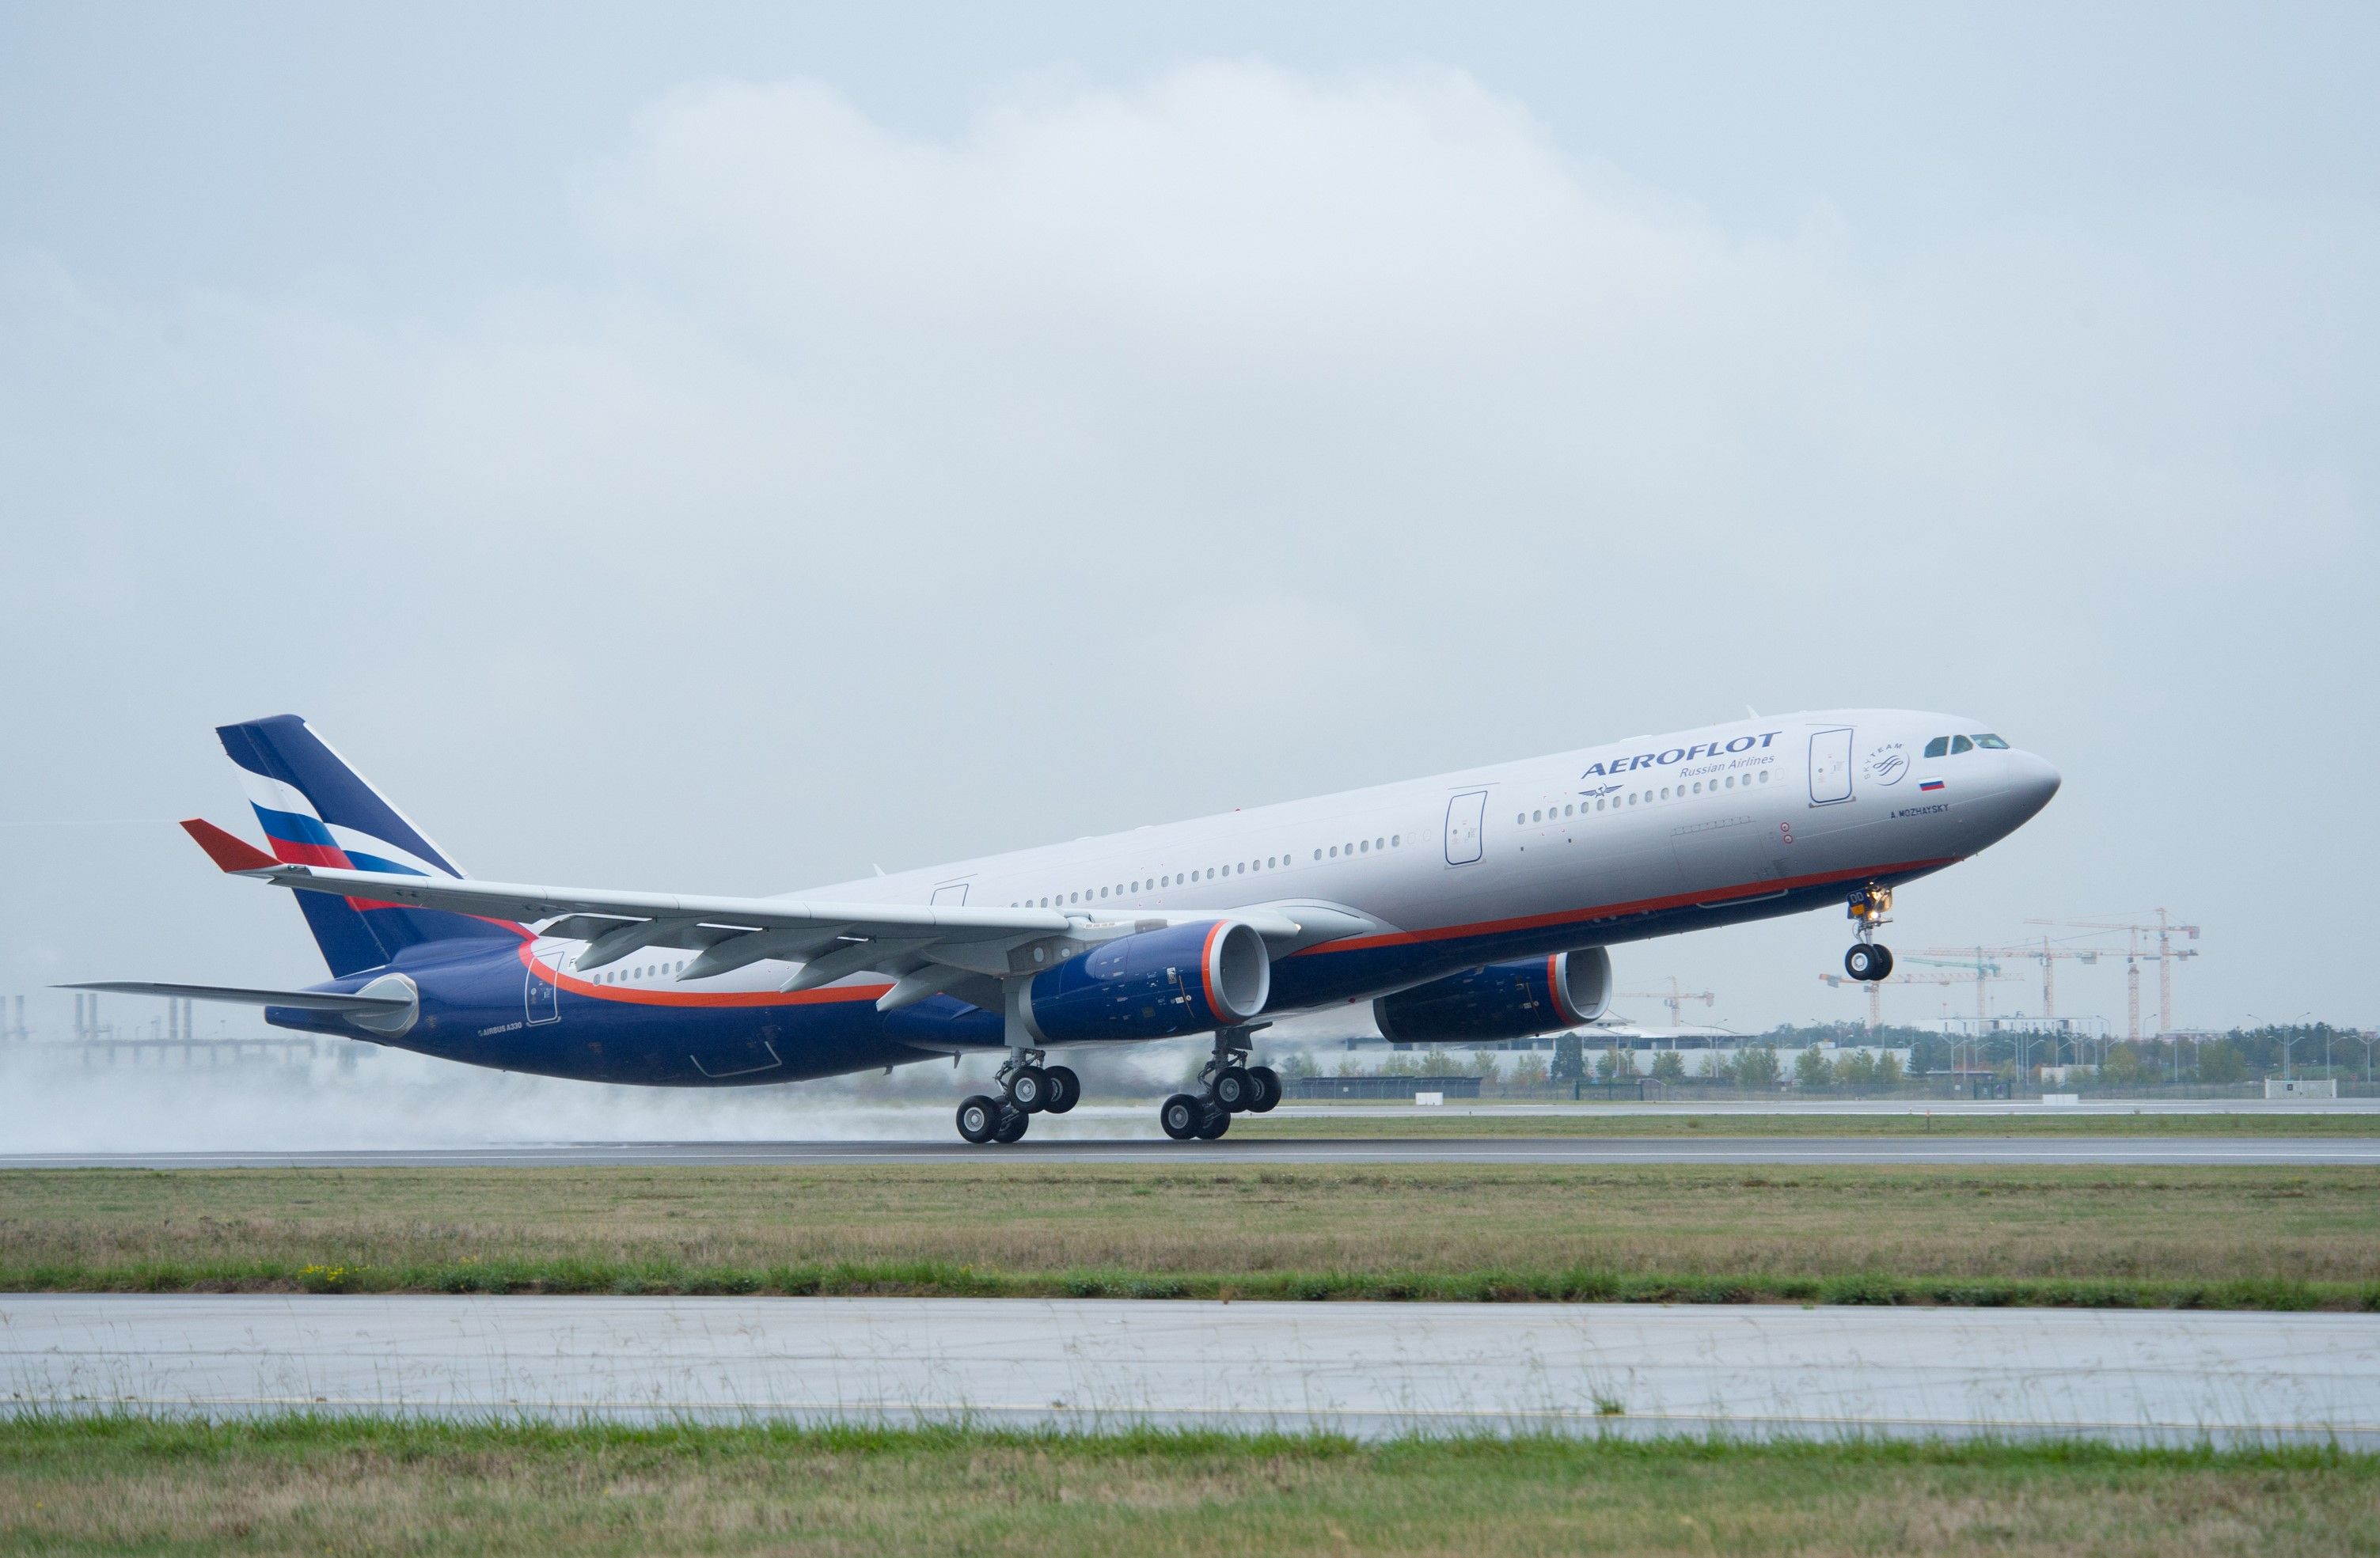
(1929, 784)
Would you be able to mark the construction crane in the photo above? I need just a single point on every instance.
(2047, 955)
(1675, 999)
(2164, 956)
(1956, 975)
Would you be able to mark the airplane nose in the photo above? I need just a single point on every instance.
(2031, 782)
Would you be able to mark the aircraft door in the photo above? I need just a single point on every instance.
(1830, 766)
(1464, 816)
(541, 995)
(951, 894)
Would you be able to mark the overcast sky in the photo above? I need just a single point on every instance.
(720, 448)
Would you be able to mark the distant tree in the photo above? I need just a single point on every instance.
(1399, 1065)
(2124, 1066)
(1529, 1070)
(1570, 1059)
(1669, 1066)
(2221, 1062)
(1489, 1064)
(1757, 1068)
(1437, 1062)
(1296, 1064)
(1812, 1070)
(1608, 1065)
(1888, 1071)
(1856, 1069)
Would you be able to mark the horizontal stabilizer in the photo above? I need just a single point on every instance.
(304, 1000)
(228, 851)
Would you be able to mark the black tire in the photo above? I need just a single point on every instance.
(978, 1118)
(1065, 1089)
(1269, 1089)
(1182, 1116)
(1885, 953)
(1216, 1122)
(1862, 962)
(1013, 1122)
(1028, 1089)
(1235, 1089)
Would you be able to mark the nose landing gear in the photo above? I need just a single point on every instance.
(1869, 960)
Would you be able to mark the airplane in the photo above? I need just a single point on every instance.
(1471, 907)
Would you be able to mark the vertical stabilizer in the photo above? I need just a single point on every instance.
(316, 810)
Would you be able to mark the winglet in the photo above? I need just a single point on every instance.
(228, 851)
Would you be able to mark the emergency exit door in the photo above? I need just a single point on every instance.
(1830, 766)
(1463, 816)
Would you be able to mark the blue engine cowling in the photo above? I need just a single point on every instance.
(1514, 1000)
(1154, 984)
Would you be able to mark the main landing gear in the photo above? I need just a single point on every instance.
(1026, 1088)
(1869, 960)
(1227, 1086)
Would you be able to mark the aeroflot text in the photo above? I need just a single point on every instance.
(1678, 755)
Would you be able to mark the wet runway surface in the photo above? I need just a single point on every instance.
(1368, 1370)
(2286, 1152)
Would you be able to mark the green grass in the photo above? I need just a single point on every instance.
(1662, 1119)
(314, 1485)
(2231, 1238)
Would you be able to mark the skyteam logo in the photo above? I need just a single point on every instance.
(1886, 765)
(1714, 748)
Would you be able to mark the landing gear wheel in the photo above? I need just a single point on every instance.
(1268, 1083)
(1182, 1116)
(1234, 1089)
(1216, 1122)
(978, 1118)
(1867, 961)
(1028, 1089)
(1065, 1089)
(1013, 1122)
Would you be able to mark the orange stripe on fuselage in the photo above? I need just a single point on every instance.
(628, 996)
(1712, 899)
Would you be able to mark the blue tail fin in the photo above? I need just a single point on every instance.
(318, 811)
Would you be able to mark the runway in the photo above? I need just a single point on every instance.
(1366, 1369)
(1807, 1150)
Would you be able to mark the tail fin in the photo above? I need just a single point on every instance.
(318, 811)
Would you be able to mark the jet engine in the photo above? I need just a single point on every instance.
(1154, 984)
(1501, 1001)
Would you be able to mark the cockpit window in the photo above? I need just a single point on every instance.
(1961, 743)
(1937, 746)
(1991, 743)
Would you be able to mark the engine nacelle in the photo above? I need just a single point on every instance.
(1155, 985)
(1514, 1000)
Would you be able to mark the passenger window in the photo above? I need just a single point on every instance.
(1937, 748)
(1991, 743)
(1959, 744)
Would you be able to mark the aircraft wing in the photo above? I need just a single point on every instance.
(928, 948)
(305, 1000)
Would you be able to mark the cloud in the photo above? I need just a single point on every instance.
(1142, 450)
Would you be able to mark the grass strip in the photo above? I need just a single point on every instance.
(1666, 1120)
(932, 1280)
(2240, 1237)
(316, 1484)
